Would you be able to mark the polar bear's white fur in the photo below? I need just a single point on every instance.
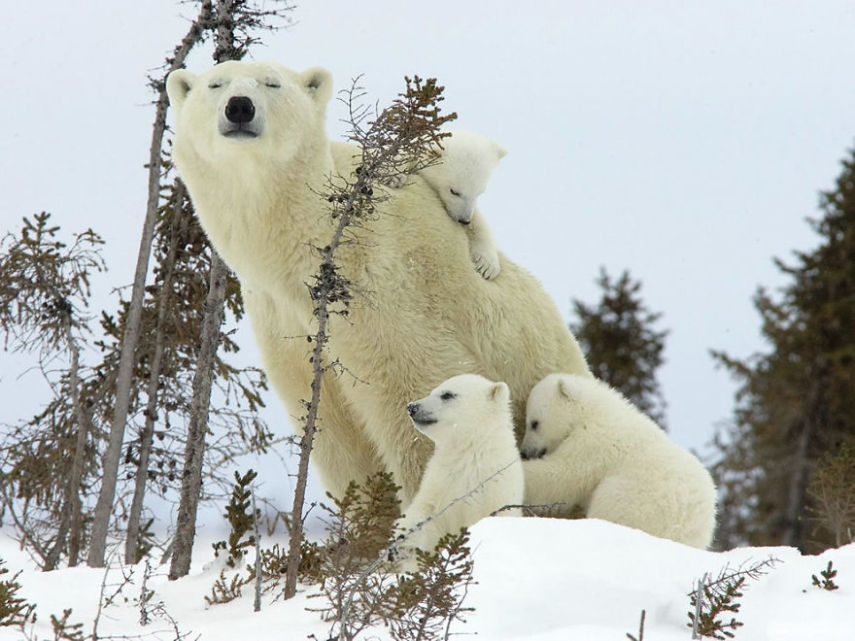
(250, 145)
(475, 469)
(587, 446)
(459, 176)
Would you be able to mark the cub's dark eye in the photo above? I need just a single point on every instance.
(454, 193)
(447, 396)
(215, 84)
(272, 84)
(535, 425)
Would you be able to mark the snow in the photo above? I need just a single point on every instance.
(537, 580)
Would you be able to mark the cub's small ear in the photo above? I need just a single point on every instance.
(178, 85)
(564, 389)
(499, 150)
(319, 83)
(499, 392)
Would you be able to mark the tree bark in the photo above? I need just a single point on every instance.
(178, 225)
(295, 538)
(104, 506)
(69, 525)
(814, 417)
(191, 482)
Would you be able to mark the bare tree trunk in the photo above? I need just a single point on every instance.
(191, 482)
(104, 506)
(791, 534)
(75, 534)
(179, 221)
(295, 538)
(70, 519)
(814, 418)
(256, 604)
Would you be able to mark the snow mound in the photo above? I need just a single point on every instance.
(537, 580)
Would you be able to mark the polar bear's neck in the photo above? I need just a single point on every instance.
(264, 216)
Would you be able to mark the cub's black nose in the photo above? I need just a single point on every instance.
(412, 408)
(240, 109)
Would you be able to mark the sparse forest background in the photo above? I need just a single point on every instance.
(148, 413)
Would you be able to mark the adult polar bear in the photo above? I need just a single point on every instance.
(251, 146)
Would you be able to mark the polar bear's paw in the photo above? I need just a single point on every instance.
(486, 262)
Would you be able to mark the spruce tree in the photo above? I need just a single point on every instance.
(46, 462)
(795, 404)
(621, 344)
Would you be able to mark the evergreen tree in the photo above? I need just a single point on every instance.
(621, 344)
(46, 463)
(796, 402)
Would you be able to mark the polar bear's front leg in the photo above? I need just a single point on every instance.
(482, 247)
(342, 451)
(551, 486)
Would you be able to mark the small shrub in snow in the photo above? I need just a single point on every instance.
(714, 599)
(14, 611)
(241, 518)
(414, 606)
(225, 590)
(423, 604)
(827, 581)
(65, 631)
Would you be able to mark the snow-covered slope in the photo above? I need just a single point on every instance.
(537, 580)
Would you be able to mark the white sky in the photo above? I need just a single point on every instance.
(685, 141)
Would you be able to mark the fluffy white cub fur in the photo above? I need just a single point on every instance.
(475, 468)
(587, 446)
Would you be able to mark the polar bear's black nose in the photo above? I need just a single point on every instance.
(240, 109)
(412, 408)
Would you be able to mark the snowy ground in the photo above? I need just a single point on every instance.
(538, 580)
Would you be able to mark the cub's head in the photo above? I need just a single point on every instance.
(465, 165)
(549, 415)
(460, 407)
(239, 109)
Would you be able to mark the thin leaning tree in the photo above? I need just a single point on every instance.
(234, 24)
(104, 507)
(402, 139)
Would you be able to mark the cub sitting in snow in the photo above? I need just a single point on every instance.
(459, 176)
(475, 460)
(587, 446)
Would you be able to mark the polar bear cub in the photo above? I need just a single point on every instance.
(459, 176)
(587, 446)
(475, 468)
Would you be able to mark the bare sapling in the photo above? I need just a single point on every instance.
(112, 456)
(402, 139)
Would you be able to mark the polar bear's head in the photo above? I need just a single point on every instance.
(238, 111)
(549, 415)
(461, 175)
(461, 408)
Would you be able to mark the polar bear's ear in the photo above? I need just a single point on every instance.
(499, 150)
(318, 82)
(499, 392)
(564, 389)
(178, 85)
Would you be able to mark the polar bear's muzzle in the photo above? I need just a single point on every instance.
(532, 453)
(239, 118)
(419, 415)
